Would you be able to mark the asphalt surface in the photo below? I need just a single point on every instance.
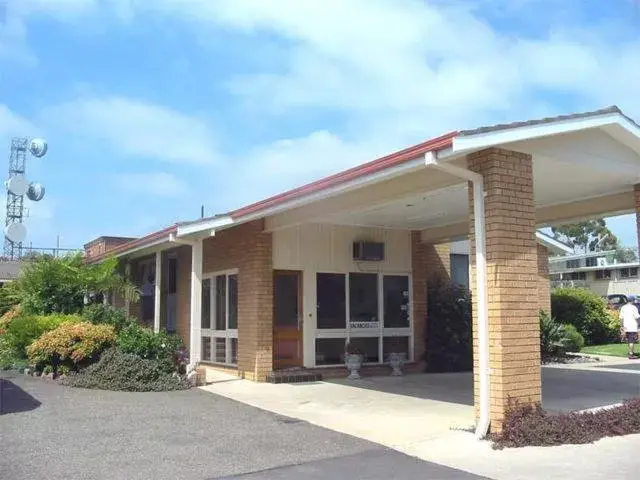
(566, 389)
(52, 432)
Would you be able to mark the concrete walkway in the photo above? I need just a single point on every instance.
(410, 414)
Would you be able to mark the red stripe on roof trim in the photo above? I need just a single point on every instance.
(135, 243)
(374, 166)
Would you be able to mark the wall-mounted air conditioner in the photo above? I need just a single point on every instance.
(368, 251)
(602, 261)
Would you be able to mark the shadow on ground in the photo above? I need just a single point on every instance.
(14, 399)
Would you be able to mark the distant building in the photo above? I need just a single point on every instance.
(601, 272)
(9, 271)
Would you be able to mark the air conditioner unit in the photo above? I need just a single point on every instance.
(602, 261)
(368, 251)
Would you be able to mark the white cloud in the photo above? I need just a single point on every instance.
(155, 184)
(137, 129)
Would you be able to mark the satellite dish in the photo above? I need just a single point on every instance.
(38, 147)
(16, 232)
(35, 191)
(17, 185)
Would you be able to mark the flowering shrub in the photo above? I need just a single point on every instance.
(71, 344)
(7, 318)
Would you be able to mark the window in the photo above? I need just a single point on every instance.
(629, 272)
(573, 263)
(331, 300)
(378, 307)
(363, 300)
(575, 276)
(592, 262)
(220, 318)
(603, 274)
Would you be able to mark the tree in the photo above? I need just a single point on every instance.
(626, 255)
(587, 236)
(60, 284)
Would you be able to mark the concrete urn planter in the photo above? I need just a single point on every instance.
(397, 361)
(354, 363)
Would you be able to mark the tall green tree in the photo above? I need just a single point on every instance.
(588, 236)
(60, 284)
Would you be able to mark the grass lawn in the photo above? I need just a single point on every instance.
(613, 349)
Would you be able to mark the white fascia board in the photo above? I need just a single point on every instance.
(479, 141)
(211, 224)
(552, 244)
(226, 222)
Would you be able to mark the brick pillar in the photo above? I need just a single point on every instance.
(544, 282)
(512, 279)
(419, 280)
(438, 261)
(183, 293)
(255, 308)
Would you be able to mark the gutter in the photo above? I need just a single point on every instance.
(431, 160)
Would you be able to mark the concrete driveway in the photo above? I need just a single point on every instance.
(52, 432)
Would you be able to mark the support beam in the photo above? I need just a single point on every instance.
(157, 293)
(196, 302)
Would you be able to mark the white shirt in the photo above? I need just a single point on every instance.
(629, 316)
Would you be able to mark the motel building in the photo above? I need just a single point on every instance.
(282, 283)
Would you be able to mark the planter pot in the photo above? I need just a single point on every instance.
(397, 361)
(354, 363)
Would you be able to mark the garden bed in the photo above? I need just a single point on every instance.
(531, 426)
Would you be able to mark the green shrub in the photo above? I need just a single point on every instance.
(574, 341)
(117, 370)
(25, 329)
(586, 311)
(8, 355)
(448, 337)
(104, 314)
(552, 337)
(72, 344)
(147, 344)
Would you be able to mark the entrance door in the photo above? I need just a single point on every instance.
(287, 319)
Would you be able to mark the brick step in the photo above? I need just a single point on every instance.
(297, 375)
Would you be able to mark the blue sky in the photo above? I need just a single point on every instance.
(155, 107)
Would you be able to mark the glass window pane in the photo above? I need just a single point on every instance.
(395, 345)
(363, 297)
(205, 321)
(396, 301)
(331, 300)
(234, 351)
(233, 302)
(330, 351)
(221, 350)
(286, 299)
(368, 347)
(221, 302)
(206, 349)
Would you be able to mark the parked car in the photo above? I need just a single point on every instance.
(615, 301)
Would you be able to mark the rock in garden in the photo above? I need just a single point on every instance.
(27, 371)
(192, 378)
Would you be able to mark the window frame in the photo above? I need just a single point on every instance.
(379, 331)
(212, 332)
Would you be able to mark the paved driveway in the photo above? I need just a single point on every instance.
(54, 432)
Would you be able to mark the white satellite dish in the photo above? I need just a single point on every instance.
(17, 185)
(38, 147)
(16, 232)
(35, 192)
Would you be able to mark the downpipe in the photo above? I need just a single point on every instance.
(482, 427)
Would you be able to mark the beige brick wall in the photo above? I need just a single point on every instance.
(512, 279)
(419, 279)
(544, 281)
(249, 249)
(438, 261)
(636, 191)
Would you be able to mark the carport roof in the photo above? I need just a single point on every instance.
(389, 166)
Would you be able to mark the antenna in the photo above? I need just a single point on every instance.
(17, 186)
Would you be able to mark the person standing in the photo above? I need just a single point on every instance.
(629, 317)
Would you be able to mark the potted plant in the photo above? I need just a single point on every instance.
(353, 359)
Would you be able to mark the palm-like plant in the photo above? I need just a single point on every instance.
(553, 337)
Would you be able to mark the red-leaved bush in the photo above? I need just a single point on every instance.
(530, 425)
